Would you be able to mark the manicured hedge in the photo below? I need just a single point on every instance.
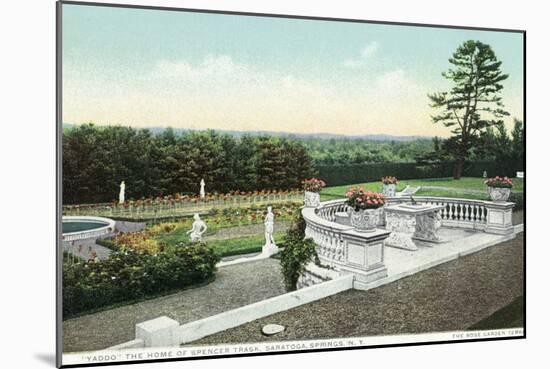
(337, 175)
(129, 275)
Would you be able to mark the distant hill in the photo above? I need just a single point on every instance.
(322, 135)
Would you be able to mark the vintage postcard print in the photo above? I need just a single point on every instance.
(236, 184)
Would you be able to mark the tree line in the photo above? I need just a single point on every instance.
(493, 144)
(96, 159)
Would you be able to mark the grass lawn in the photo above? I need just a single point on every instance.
(226, 247)
(473, 183)
(243, 245)
(510, 316)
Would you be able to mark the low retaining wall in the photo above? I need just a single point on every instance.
(163, 331)
(315, 274)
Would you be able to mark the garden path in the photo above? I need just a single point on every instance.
(234, 286)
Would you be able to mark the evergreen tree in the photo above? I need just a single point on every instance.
(474, 103)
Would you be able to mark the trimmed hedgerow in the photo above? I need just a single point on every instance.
(342, 174)
(129, 275)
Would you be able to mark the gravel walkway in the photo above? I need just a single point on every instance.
(235, 286)
(451, 296)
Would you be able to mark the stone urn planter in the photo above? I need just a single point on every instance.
(312, 199)
(365, 220)
(388, 190)
(499, 188)
(500, 194)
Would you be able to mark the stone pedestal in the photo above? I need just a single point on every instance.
(312, 199)
(406, 221)
(270, 249)
(159, 332)
(364, 255)
(499, 218)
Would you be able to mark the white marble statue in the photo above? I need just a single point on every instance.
(270, 247)
(121, 193)
(408, 191)
(268, 223)
(202, 192)
(197, 230)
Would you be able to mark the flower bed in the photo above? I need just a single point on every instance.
(128, 275)
(180, 205)
(162, 236)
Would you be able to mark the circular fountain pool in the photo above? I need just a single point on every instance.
(81, 227)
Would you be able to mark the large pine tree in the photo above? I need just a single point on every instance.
(474, 102)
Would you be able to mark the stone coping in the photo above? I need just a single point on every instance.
(410, 208)
(96, 232)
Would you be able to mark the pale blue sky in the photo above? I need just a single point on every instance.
(162, 68)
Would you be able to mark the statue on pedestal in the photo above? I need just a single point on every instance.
(197, 229)
(270, 247)
(202, 192)
(121, 193)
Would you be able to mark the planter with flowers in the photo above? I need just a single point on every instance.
(312, 188)
(389, 184)
(365, 208)
(499, 188)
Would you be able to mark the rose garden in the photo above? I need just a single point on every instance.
(186, 238)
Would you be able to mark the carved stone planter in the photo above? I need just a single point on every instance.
(365, 220)
(312, 199)
(388, 190)
(499, 193)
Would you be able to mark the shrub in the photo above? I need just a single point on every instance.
(108, 243)
(518, 199)
(130, 275)
(298, 252)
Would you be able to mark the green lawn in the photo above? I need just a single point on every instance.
(226, 247)
(473, 183)
(243, 245)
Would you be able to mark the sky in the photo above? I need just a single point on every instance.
(157, 68)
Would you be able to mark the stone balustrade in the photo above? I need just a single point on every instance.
(344, 249)
(341, 247)
(481, 215)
